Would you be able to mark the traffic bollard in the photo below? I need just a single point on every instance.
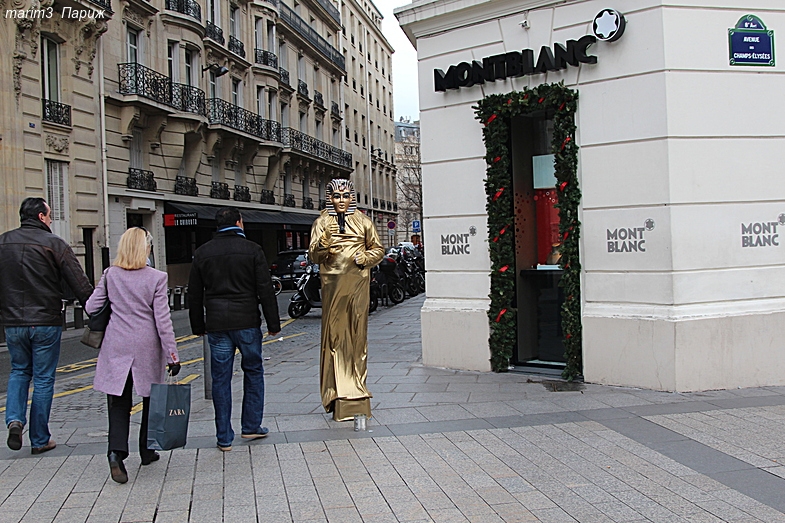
(208, 377)
(178, 295)
(78, 317)
(169, 297)
(185, 297)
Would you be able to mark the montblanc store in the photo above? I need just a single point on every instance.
(604, 189)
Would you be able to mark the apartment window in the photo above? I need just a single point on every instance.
(174, 67)
(236, 92)
(284, 115)
(258, 33)
(348, 133)
(303, 122)
(134, 49)
(216, 167)
(213, 11)
(57, 196)
(319, 130)
(260, 101)
(50, 69)
(301, 68)
(213, 85)
(336, 138)
(306, 185)
(233, 21)
(189, 67)
(239, 179)
(272, 104)
(270, 35)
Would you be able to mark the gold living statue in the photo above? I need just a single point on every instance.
(345, 244)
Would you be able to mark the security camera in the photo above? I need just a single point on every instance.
(524, 23)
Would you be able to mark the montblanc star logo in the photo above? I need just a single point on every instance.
(609, 25)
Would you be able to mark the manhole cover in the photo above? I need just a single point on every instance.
(563, 386)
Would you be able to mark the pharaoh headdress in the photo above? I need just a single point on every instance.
(341, 185)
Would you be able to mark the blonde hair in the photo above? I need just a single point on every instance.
(133, 249)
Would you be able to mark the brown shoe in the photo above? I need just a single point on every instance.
(15, 435)
(41, 450)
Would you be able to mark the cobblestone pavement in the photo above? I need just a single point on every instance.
(443, 446)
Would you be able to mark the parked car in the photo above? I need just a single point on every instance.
(289, 266)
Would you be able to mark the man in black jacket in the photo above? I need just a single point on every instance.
(229, 279)
(34, 264)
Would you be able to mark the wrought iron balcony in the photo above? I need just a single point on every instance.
(186, 7)
(309, 34)
(265, 58)
(148, 83)
(220, 191)
(331, 10)
(288, 200)
(318, 98)
(322, 204)
(242, 193)
(302, 88)
(106, 4)
(335, 110)
(141, 180)
(307, 203)
(186, 186)
(213, 32)
(236, 46)
(223, 113)
(376, 203)
(56, 112)
(285, 76)
(300, 141)
(268, 197)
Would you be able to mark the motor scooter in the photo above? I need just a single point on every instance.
(308, 293)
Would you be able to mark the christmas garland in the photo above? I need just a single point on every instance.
(495, 112)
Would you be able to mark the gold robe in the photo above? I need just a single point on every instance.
(345, 299)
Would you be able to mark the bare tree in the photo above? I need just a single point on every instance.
(409, 181)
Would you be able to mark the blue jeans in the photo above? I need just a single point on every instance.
(222, 349)
(34, 354)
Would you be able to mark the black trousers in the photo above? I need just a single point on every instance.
(120, 421)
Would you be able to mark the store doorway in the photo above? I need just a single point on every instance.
(539, 297)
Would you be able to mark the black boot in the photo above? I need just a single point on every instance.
(117, 467)
(148, 456)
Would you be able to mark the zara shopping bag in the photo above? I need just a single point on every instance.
(170, 408)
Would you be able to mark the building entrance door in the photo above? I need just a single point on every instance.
(537, 241)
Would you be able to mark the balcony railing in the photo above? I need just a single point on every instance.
(285, 76)
(56, 112)
(220, 191)
(223, 113)
(141, 180)
(106, 4)
(300, 141)
(214, 32)
(186, 7)
(331, 10)
(288, 200)
(236, 46)
(335, 110)
(322, 204)
(307, 203)
(318, 98)
(148, 83)
(242, 193)
(186, 186)
(268, 197)
(310, 34)
(302, 88)
(265, 58)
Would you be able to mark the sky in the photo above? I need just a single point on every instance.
(404, 62)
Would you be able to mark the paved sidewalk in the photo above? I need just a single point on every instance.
(443, 446)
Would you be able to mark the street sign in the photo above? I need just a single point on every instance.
(180, 220)
(391, 224)
(751, 43)
(415, 225)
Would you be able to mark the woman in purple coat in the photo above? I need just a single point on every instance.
(138, 343)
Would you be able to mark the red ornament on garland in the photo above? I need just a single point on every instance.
(501, 313)
(498, 194)
(565, 235)
(541, 100)
(565, 142)
(526, 96)
(504, 269)
(492, 118)
(568, 336)
(562, 186)
(509, 101)
(497, 159)
(561, 107)
(496, 239)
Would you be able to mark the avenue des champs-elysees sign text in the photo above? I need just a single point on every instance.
(608, 26)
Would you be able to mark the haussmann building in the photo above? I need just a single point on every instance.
(603, 188)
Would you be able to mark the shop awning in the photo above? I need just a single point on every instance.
(207, 212)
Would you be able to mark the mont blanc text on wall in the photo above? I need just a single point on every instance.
(514, 64)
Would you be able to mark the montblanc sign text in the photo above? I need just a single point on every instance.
(515, 64)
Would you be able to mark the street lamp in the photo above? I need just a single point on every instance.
(219, 70)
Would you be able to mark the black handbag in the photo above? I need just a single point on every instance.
(96, 324)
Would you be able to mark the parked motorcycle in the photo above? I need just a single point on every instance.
(277, 284)
(308, 293)
(391, 278)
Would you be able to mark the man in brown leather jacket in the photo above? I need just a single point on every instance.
(34, 264)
